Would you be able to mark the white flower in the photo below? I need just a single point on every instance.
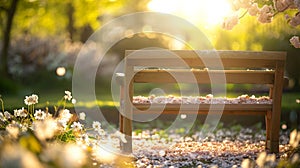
(20, 113)
(295, 41)
(23, 113)
(84, 139)
(2, 118)
(76, 126)
(31, 100)
(73, 101)
(68, 95)
(45, 129)
(16, 113)
(65, 115)
(101, 132)
(62, 124)
(121, 136)
(96, 125)
(7, 115)
(82, 116)
(39, 114)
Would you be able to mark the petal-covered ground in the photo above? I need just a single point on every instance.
(223, 148)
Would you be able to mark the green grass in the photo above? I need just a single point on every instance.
(289, 101)
(52, 97)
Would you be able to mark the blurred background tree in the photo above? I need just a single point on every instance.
(37, 36)
(40, 37)
(7, 13)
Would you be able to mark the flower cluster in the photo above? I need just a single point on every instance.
(295, 41)
(230, 21)
(58, 138)
(31, 100)
(68, 95)
(265, 13)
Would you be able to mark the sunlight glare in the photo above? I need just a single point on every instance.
(60, 71)
(210, 12)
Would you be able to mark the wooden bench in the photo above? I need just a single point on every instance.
(239, 67)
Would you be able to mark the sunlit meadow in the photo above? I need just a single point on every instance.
(39, 126)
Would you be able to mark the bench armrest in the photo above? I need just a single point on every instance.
(120, 77)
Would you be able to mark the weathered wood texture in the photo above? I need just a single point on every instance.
(204, 67)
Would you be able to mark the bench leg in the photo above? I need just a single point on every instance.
(121, 129)
(274, 132)
(268, 129)
(127, 128)
(276, 109)
(126, 121)
(125, 125)
(121, 118)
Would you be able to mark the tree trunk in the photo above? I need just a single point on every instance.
(70, 27)
(6, 39)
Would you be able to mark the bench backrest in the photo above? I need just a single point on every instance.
(250, 67)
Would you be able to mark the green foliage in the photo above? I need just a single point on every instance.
(67, 136)
(37, 18)
(50, 18)
(8, 86)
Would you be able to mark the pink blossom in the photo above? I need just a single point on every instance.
(253, 9)
(265, 14)
(295, 21)
(282, 5)
(237, 4)
(297, 3)
(230, 22)
(295, 41)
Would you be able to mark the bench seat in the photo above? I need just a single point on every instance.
(241, 109)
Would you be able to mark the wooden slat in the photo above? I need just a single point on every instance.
(236, 107)
(226, 112)
(246, 109)
(276, 109)
(267, 55)
(202, 76)
(211, 59)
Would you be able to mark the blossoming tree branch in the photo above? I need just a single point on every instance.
(265, 11)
